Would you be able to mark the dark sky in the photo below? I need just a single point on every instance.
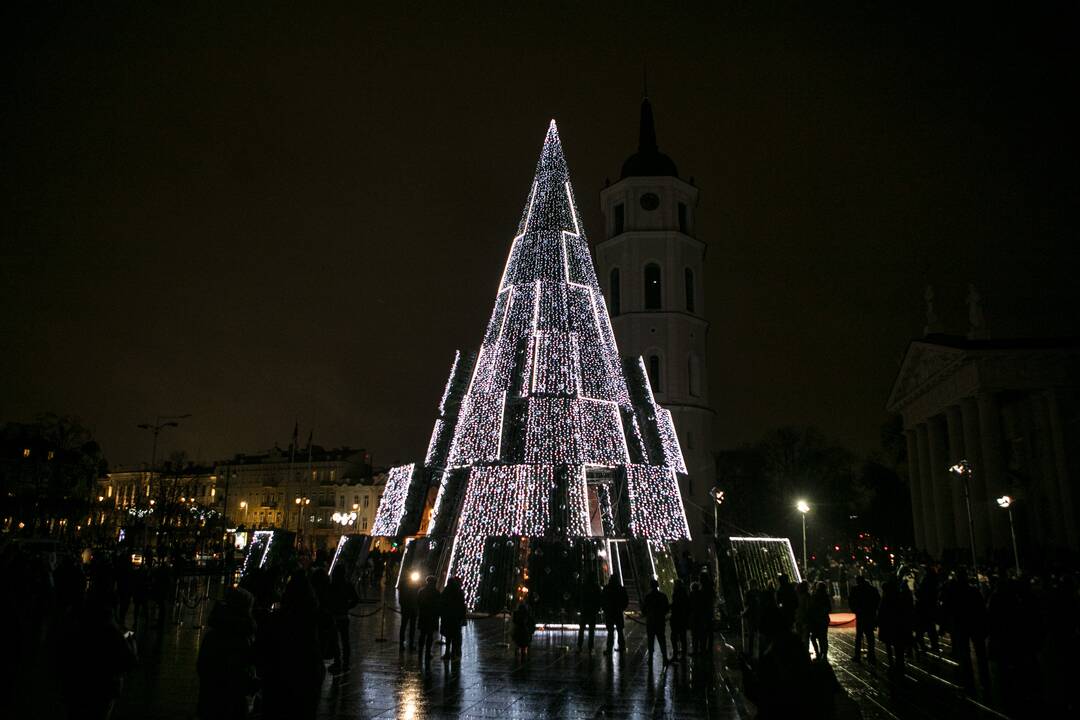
(267, 213)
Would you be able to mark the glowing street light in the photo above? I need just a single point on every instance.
(963, 470)
(803, 507)
(414, 577)
(1005, 502)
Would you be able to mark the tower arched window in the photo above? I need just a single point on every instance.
(653, 287)
(615, 300)
(689, 278)
(653, 366)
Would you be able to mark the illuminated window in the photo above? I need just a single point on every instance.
(652, 287)
(654, 372)
(26, 452)
(616, 293)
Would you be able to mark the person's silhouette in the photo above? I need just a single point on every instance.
(655, 610)
(614, 601)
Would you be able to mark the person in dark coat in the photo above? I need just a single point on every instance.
(614, 602)
(96, 657)
(863, 601)
(820, 607)
(427, 615)
(341, 598)
(289, 654)
(655, 609)
(226, 664)
(926, 610)
(680, 619)
(588, 607)
(407, 592)
(896, 621)
(787, 601)
(452, 616)
(524, 626)
(968, 623)
(700, 619)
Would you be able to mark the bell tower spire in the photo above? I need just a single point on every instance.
(651, 268)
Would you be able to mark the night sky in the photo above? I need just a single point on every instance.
(271, 213)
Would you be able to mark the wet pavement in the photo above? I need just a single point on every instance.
(555, 682)
(488, 682)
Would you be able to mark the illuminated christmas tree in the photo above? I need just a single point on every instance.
(550, 453)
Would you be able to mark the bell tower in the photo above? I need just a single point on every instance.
(651, 267)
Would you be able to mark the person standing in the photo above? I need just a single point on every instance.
(820, 607)
(655, 610)
(524, 627)
(289, 654)
(895, 620)
(226, 663)
(407, 592)
(680, 619)
(588, 608)
(864, 600)
(453, 614)
(427, 616)
(802, 614)
(341, 598)
(926, 603)
(614, 601)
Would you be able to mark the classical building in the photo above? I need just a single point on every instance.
(651, 268)
(1011, 409)
(315, 493)
(337, 489)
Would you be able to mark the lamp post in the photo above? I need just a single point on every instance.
(156, 427)
(963, 470)
(300, 503)
(1006, 502)
(803, 507)
(243, 506)
(718, 499)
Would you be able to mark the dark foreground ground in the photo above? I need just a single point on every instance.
(556, 682)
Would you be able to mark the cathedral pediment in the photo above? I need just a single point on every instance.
(924, 364)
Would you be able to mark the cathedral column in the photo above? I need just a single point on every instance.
(954, 424)
(1065, 491)
(915, 483)
(980, 503)
(939, 470)
(993, 464)
(933, 543)
(1050, 510)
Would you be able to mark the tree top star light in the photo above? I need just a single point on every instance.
(545, 439)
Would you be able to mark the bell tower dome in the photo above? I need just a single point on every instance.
(651, 267)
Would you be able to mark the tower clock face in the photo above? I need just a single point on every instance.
(649, 201)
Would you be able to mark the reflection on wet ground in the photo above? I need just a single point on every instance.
(555, 682)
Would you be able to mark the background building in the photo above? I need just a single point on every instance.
(1011, 408)
(651, 269)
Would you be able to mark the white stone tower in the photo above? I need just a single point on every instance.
(651, 267)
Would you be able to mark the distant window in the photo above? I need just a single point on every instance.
(654, 372)
(689, 290)
(616, 293)
(341, 501)
(366, 499)
(683, 226)
(363, 523)
(652, 287)
(620, 219)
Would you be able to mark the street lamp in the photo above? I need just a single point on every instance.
(156, 427)
(803, 507)
(963, 470)
(1006, 502)
(718, 499)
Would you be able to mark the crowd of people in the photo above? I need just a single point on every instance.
(1009, 639)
